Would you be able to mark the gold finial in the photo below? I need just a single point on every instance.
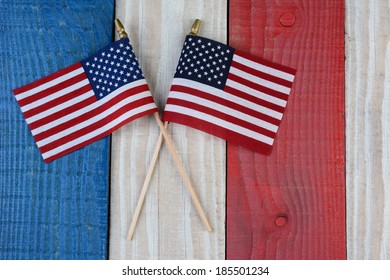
(120, 29)
(195, 27)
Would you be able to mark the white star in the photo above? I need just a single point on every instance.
(103, 53)
(209, 44)
(125, 80)
(135, 77)
(121, 58)
(95, 58)
(87, 63)
(108, 55)
(111, 49)
(116, 84)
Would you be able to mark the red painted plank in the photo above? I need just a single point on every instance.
(291, 204)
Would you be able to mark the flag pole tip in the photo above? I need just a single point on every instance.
(195, 27)
(120, 29)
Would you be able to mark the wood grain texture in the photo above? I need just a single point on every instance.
(57, 210)
(169, 226)
(368, 129)
(291, 204)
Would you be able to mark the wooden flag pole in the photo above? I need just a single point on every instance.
(122, 34)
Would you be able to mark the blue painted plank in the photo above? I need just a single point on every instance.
(57, 210)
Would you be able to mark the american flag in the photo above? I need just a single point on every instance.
(228, 93)
(86, 101)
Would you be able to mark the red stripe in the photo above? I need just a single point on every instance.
(95, 126)
(63, 112)
(261, 75)
(100, 136)
(57, 101)
(266, 62)
(52, 90)
(230, 136)
(257, 87)
(90, 114)
(47, 78)
(220, 115)
(233, 105)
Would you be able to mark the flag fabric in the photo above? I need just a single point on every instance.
(86, 101)
(228, 93)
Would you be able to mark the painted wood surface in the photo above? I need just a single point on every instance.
(169, 226)
(291, 204)
(57, 210)
(368, 129)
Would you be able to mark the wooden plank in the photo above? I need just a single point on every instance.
(56, 210)
(368, 129)
(291, 204)
(169, 226)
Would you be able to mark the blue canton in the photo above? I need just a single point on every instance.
(112, 67)
(205, 61)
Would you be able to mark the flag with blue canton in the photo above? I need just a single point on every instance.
(86, 101)
(228, 93)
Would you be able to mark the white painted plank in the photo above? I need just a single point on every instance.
(169, 226)
(368, 129)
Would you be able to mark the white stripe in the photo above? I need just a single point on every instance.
(260, 81)
(59, 107)
(101, 130)
(256, 93)
(49, 84)
(82, 110)
(94, 119)
(227, 96)
(219, 122)
(54, 95)
(226, 110)
(263, 68)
